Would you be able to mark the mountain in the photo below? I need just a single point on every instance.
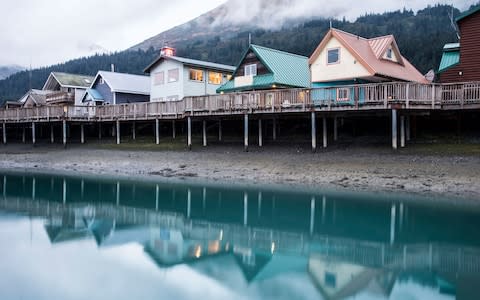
(6, 71)
(222, 36)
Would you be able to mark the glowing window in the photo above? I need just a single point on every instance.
(214, 78)
(196, 75)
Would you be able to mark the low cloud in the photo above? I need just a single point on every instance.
(270, 14)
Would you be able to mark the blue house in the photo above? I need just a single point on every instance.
(117, 88)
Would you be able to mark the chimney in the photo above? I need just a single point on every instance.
(168, 51)
(112, 66)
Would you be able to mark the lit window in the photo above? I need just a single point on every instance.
(333, 56)
(389, 53)
(251, 70)
(159, 78)
(196, 75)
(214, 78)
(343, 94)
(229, 77)
(173, 75)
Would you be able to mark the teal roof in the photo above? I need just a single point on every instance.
(286, 69)
(450, 57)
(467, 13)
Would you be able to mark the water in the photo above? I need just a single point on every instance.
(93, 238)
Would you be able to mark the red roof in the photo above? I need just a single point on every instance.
(370, 52)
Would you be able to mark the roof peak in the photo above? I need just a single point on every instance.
(276, 50)
(120, 73)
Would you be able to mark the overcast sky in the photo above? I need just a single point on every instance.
(46, 32)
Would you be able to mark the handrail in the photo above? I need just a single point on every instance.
(348, 97)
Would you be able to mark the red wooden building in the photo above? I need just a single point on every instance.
(462, 63)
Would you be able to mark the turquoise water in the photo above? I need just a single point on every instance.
(100, 238)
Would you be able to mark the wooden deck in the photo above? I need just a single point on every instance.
(348, 98)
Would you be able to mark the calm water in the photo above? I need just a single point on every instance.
(85, 238)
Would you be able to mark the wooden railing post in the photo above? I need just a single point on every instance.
(407, 96)
(433, 96)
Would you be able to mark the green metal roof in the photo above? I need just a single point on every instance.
(467, 13)
(450, 57)
(74, 80)
(286, 69)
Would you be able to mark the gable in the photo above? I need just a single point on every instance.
(249, 59)
(347, 67)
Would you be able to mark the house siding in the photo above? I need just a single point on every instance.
(131, 98)
(469, 64)
(104, 90)
(197, 88)
(167, 89)
(347, 68)
(251, 59)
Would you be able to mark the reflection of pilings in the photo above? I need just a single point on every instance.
(324, 207)
(393, 214)
(245, 208)
(260, 196)
(440, 258)
(117, 194)
(64, 196)
(157, 195)
(312, 215)
(189, 203)
(33, 188)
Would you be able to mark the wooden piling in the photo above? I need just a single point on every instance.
(260, 133)
(189, 133)
(314, 131)
(174, 127)
(33, 133)
(64, 132)
(220, 131)
(245, 132)
(394, 130)
(157, 131)
(52, 134)
(335, 129)
(117, 125)
(204, 132)
(402, 131)
(134, 131)
(4, 129)
(325, 137)
(82, 133)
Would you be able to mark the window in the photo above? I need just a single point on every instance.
(251, 70)
(333, 56)
(101, 81)
(229, 77)
(173, 75)
(196, 75)
(389, 53)
(214, 78)
(343, 94)
(159, 78)
(330, 280)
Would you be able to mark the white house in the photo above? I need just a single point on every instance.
(173, 78)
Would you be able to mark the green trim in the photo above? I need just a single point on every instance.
(467, 13)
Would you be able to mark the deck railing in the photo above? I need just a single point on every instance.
(345, 97)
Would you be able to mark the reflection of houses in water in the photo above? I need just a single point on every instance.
(343, 246)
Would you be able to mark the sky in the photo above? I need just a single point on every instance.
(41, 33)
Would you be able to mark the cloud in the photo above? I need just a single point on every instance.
(273, 13)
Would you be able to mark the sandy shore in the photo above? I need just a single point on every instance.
(352, 169)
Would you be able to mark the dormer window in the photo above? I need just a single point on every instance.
(101, 81)
(389, 54)
(333, 56)
(251, 70)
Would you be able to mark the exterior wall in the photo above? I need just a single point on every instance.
(167, 89)
(251, 59)
(347, 68)
(469, 67)
(79, 93)
(131, 98)
(198, 88)
(104, 90)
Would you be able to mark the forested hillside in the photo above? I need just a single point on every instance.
(420, 37)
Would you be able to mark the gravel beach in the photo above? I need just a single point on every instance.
(352, 169)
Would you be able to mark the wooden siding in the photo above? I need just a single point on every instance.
(123, 98)
(250, 59)
(469, 64)
(104, 90)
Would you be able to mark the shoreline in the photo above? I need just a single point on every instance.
(454, 178)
